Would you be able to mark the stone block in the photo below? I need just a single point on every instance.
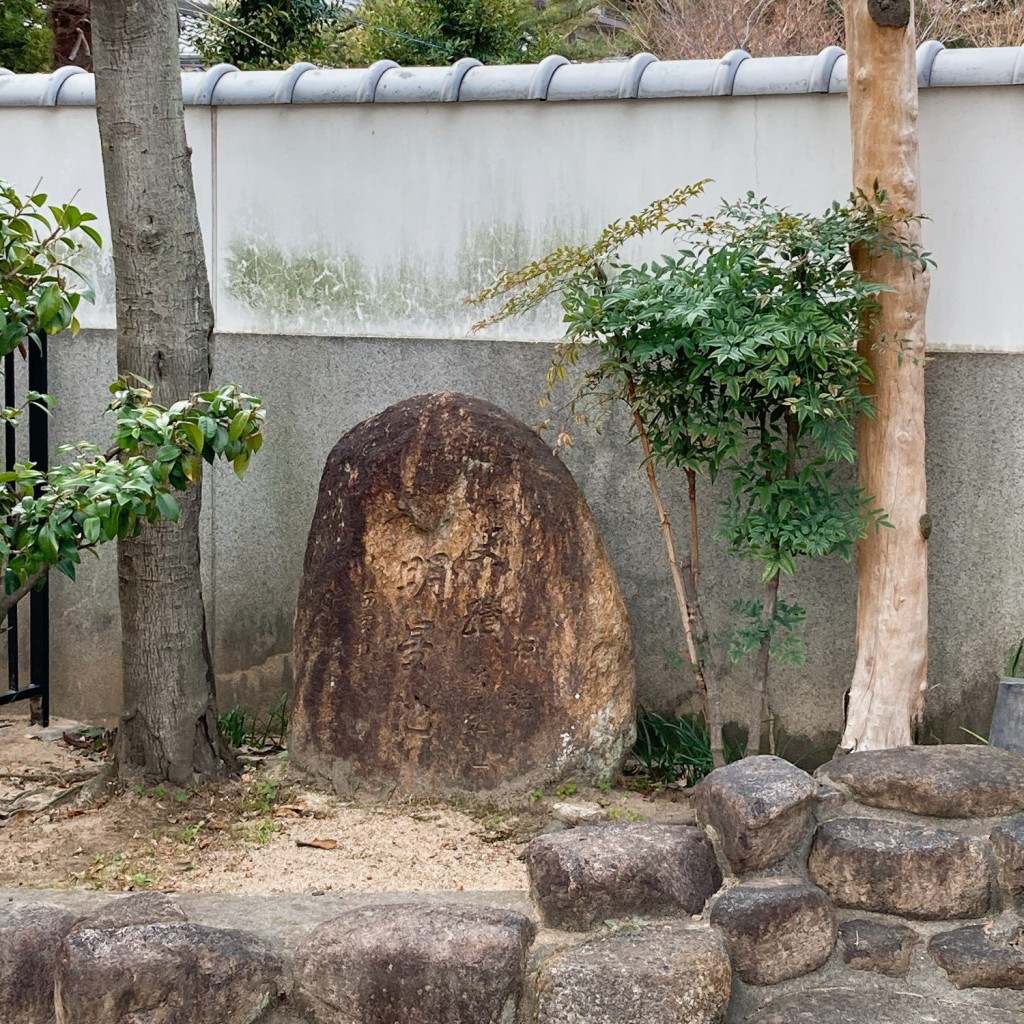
(1007, 841)
(653, 975)
(897, 868)
(583, 876)
(760, 807)
(172, 972)
(948, 781)
(874, 1005)
(872, 946)
(979, 956)
(30, 938)
(459, 626)
(414, 963)
(138, 908)
(776, 929)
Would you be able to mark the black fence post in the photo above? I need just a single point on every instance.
(10, 457)
(38, 689)
(39, 600)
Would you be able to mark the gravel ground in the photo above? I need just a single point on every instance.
(266, 832)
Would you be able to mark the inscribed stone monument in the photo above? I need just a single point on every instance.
(459, 626)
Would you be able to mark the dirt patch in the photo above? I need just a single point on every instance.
(267, 831)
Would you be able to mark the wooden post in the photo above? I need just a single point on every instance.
(890, 677)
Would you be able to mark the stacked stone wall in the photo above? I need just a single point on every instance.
(888, 889)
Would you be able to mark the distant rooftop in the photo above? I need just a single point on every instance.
(553, 79)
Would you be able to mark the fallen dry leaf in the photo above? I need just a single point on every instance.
(282, 809)
(318, 844)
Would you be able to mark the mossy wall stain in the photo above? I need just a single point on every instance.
(97, 267)
(319, 290)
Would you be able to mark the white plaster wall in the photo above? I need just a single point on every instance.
(378, 219)
(425, 201)
(58, 148)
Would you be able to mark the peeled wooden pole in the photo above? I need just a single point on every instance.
(890, 677)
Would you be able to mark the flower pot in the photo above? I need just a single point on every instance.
(1008, 717)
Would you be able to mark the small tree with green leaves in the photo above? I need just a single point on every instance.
(259, 34)
(434, 32)
(736, 357)
(276, 33)
(26, 40)
(48, 518)
(415, 32)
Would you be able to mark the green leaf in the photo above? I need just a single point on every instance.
(92, 528)
(238, 422)
(191, 467)
(168, 453)
(195, 436)
(47, 543)
(168, 505)
(49, 304)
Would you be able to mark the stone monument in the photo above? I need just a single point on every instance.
(459, 626)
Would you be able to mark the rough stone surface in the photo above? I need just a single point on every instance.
(30, 938)
(872, 946)
(654, 975)
(843, 1005)
(895, 868)
(760, 807)
(980, 956)
(1007, 841)
(414, 964)
(583, 876)
(776, 930)
(571, 812)
(138, 908)
(169, 972)
(459, 626)
(950, 781)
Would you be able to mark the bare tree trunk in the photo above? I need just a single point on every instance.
(684, 579)
(165, 322)
(887, 693)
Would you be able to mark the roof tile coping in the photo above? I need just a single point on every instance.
(553, 79)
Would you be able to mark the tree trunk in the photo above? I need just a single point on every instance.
(890, 677)
(164, 326)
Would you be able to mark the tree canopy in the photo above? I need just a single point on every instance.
(276, 33)
(26, 42)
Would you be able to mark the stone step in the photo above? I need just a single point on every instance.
(950, 781)
(853, 1004)
(668, 974)
(584, 876)
(171, 971)
(982, 956)
(760, 807)
(873, 946)
(777, 929)
(415, 963)
(30, 938)
(904, 869)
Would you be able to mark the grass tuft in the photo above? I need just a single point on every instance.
(671, 749)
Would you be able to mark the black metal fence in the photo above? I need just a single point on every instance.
(37, 686)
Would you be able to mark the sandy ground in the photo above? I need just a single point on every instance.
(248, 835)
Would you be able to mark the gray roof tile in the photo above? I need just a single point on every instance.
(554, 79)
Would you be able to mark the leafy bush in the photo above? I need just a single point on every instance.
(48, 518)
(736, 356)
